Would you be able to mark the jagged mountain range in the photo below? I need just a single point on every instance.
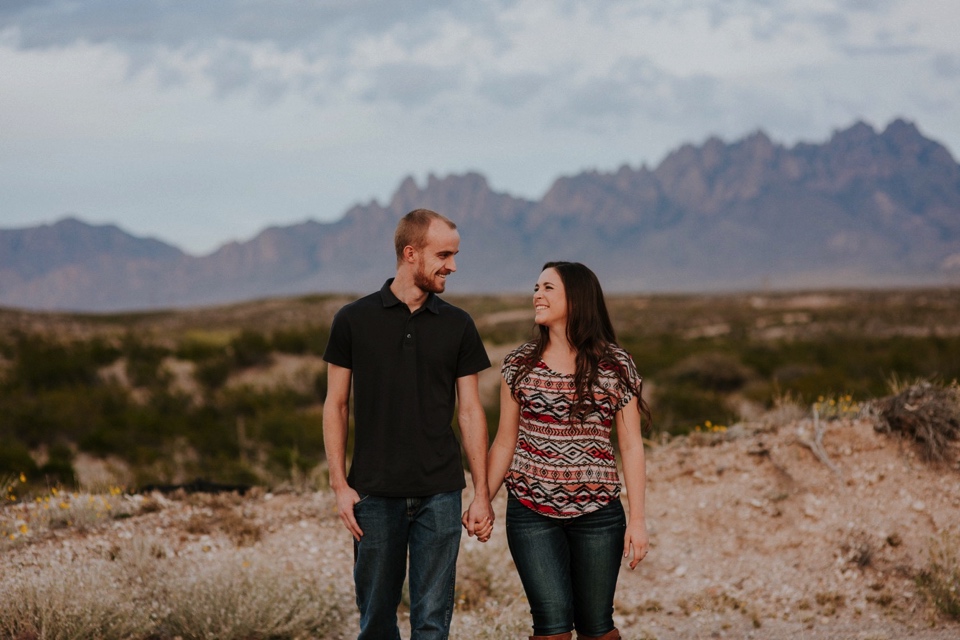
(866, 208)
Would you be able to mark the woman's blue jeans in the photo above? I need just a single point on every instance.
(429, 528)
(568, 567)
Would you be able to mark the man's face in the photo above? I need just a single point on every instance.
(436, 258)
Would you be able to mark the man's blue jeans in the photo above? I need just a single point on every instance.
(430, 528)
(568, 567)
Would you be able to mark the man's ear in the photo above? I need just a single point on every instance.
(409, 254)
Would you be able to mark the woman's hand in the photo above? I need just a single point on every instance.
(636, 540)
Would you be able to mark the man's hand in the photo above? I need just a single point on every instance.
(478, 519)
(346, 498)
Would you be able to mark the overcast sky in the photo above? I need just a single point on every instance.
(204, 122)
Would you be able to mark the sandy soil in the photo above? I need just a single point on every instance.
(752, 537)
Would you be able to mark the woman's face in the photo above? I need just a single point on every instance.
(550, 300)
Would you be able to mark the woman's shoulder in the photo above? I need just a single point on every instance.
(618, 359)
(619, 355)
(520, 353)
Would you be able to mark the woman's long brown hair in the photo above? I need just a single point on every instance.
(589, 332)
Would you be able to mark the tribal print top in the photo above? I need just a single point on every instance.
(562, 468)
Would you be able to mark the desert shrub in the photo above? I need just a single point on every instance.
(250, 349)
(44, 364)
(213, 373)
(292, 430)
(927, 413)
(57, 508)
(68, 604)
(712, 371)
(678, 409)
(940, 580)
(63, 414)
(58, 469)
(289, 341)
(198, 350)
(248, 596)
(311, 339)
(143, 361)
(15, 458)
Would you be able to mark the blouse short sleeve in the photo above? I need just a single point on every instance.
(629, 384)
(511, 363)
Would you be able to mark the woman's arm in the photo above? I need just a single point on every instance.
(635, 479)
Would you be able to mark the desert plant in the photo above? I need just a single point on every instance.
(68, 603)
(213, 372)
(927, 413)
(57, 509)
(940, 580)
(711, 371)
(143, 362)
(250, 349)
(245, 596)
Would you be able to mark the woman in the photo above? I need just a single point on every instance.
(561, 395)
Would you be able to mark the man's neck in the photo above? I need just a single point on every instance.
(408, 293)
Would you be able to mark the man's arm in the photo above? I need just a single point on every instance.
(336, 415)
(473, 431)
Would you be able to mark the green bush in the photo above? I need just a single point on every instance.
(42, 364)
(15, 458)
(59, 468)
(312, 340)
(250, 349)
(678, 409)
(710, 371)
(143, 362)
(197, 350)
(213, 373)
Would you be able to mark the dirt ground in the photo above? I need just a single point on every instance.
(753, 536)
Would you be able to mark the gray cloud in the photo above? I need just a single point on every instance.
(287, 23)
(216, 39)
(947, 65)
(411, 84)
(514, 89)
(636, 89)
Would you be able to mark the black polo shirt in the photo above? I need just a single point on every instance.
(405, 367)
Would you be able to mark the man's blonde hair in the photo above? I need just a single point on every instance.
(412, 229)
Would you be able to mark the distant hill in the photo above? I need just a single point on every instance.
(864, 209)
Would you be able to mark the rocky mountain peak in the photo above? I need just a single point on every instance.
(861, 209)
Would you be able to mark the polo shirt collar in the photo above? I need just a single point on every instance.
(432, 302)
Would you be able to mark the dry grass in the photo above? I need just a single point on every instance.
(940, 580)
(245, 596)
(141, 589)
(89, 601)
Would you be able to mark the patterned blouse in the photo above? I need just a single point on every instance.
(560, 468)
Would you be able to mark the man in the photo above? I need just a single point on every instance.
(410, 358)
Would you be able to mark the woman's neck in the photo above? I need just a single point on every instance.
(559, 354)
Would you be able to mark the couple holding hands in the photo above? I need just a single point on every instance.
(411, 361)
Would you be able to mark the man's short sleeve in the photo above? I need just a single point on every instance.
(473, 356)
(339, 351)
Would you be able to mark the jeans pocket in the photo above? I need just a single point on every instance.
(363, 496)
